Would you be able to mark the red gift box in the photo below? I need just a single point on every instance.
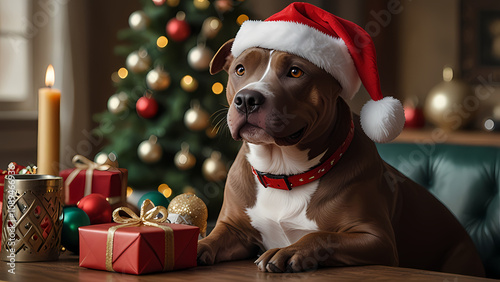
(137, 250)
(105, 180)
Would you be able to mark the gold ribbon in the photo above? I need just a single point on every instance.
(82, 163)
(148, 217)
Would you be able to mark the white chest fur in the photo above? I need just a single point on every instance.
(279, 215)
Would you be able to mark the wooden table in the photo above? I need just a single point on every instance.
(67, 269)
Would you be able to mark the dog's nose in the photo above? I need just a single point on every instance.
(248, 101)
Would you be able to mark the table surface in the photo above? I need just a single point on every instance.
(67, 269)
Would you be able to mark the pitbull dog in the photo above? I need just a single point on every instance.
(290, 117)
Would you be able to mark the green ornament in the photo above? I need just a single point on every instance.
(73, 218)
(156, 197)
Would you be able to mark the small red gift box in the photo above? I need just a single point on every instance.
(141, 248)
(93, 178)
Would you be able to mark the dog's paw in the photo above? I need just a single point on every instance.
(286, 260)
(206, 255)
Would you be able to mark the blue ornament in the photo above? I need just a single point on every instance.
(156, 197)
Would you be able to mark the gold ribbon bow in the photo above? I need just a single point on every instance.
(82, 163)
(148, 217)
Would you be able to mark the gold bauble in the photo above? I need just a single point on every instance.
(138, 61)
(138, 20)
(213, 168)
(189, 209)
(201, 4)
(451, 104)
(118, 103)
(149, 151)
(173, 3)
(199, 58)
(184, 160)
(211, 27)
(103, 158)
(189, 83)
(158, 79)
(196, 118)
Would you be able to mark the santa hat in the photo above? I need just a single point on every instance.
(340, 47)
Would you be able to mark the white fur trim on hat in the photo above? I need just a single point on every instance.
(329, 53)
(382, 120)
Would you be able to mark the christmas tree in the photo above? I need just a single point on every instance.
(166, 121)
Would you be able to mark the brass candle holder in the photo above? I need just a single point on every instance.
(32, 218)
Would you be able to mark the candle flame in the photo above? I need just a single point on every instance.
(49, 76)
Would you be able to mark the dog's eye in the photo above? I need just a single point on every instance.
(295, 72)
(240, 70)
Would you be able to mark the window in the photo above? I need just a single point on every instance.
(16, 90)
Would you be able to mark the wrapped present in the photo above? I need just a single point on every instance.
(89, 177)
(139, 244)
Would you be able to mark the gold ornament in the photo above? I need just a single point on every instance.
(138, 20)
(213, 168)
(149, 151)
(211, 27)
(201, 4)
(189, 209)
(199, 58)
(173, 3)
(118, 103)
(196, 118)
(158, 79)
(451, 104)
(106, 159)
(184, 160)
(189, 84)
(138, 61)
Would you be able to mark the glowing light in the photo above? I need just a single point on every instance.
(162, 41)
(50, 76)
(165, 190)
(114, 77)
(129, 191)
(187, 79)
(122, 73)
(489, 125)
(217, 88)
(440, 102)
(241, 19)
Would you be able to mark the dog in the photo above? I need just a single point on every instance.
(291, 116)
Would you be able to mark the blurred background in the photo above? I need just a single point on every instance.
(414, 40)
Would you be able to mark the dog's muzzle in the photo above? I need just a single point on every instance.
(248, 101)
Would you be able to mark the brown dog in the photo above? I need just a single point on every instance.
(291, 118)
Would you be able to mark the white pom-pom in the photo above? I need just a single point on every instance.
(382, 120)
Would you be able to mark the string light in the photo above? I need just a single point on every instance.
(165, 190)
(241, 19)
(217, 88)
(129, 191)
(122, 73)
(162, 41)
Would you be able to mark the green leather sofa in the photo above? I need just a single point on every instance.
(466, 179)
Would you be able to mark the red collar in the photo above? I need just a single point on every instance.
(286, 182)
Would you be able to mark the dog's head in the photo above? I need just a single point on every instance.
(275, 97)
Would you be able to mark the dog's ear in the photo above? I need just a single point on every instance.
(222, 60)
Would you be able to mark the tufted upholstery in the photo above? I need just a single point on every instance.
(466, 179)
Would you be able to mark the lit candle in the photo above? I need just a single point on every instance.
(48, 126)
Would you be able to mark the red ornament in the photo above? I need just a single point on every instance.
(96, 207)
(159, 2)
(414, 117)
(178, 30)
(146, 107)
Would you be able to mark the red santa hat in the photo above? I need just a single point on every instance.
(340, 47)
